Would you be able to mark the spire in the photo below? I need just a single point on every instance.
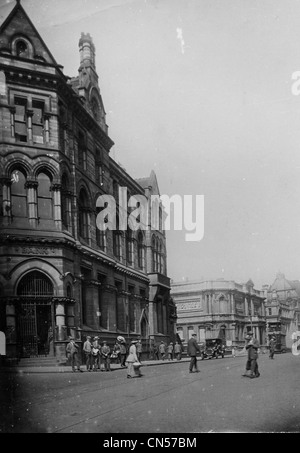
(87, 51)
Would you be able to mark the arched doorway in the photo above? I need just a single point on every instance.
(35, 326)
(143, 328)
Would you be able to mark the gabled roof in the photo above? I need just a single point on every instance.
(149, 182)
(295, 284)
(280, 283)
(18, 23)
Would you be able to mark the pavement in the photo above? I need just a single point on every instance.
(68, 369)
(61, 368)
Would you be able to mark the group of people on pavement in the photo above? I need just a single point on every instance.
(94, 353)
(98, 356)
(164, 351)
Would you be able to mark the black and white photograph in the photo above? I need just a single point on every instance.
(149, 219)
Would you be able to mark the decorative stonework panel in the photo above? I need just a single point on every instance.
(190, 305)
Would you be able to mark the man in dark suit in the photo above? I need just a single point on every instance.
(192, 350)
(252, 347)
(272, 345)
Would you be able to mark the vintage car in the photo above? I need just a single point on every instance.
(212, 348)
(280, 348)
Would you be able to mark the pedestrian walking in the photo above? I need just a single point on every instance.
(87, 350)
(162, 350)
(105, 355)
(133, 365)
(123, 353)
(252, 346)
(170, 349)
(96, 362)
(192, 350)
(272, 345)
(139, 349)
(177, 350)
(156, 351)
(72, 354)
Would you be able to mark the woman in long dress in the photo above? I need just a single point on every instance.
(132, 371)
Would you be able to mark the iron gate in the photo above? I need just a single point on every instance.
(35, 317)
(35, 324)
(28, 330)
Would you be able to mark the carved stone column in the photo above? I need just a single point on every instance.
(56, 189)
(6, 199)
(47, 129)
(29, 124)
(12, 120)
(31, 186)
(60, 321)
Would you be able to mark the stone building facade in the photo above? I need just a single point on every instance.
(219, 309)
(60, 274)
(283, 310)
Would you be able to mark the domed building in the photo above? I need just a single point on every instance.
(283, 310)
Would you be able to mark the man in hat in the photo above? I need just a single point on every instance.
(72, 353)
(252, 346)
(162, 350)
(272, 345)
(87, 350)
(192, 350)
(96, 354)
(170, 350)
(105, 354)
(123, 352)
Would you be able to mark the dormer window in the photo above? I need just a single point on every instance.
(21, 49)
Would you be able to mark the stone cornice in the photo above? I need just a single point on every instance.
(35, 241)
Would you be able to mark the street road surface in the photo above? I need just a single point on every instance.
(167, 399)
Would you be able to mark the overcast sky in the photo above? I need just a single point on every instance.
(200, 91)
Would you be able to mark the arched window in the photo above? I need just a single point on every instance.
(141, 251)
(223, 305)
(44, 197)
(82, 151)
(95, 109)
(129, 246)
(154, 255)
(65, 203)
(160, 259)
(101, 238)
(18, 194)
(84, 218)
(160, 219)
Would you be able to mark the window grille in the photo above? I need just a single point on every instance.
(35, 284)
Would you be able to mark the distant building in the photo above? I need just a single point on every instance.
(61, 275)
(283, 309)
(219, 308)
